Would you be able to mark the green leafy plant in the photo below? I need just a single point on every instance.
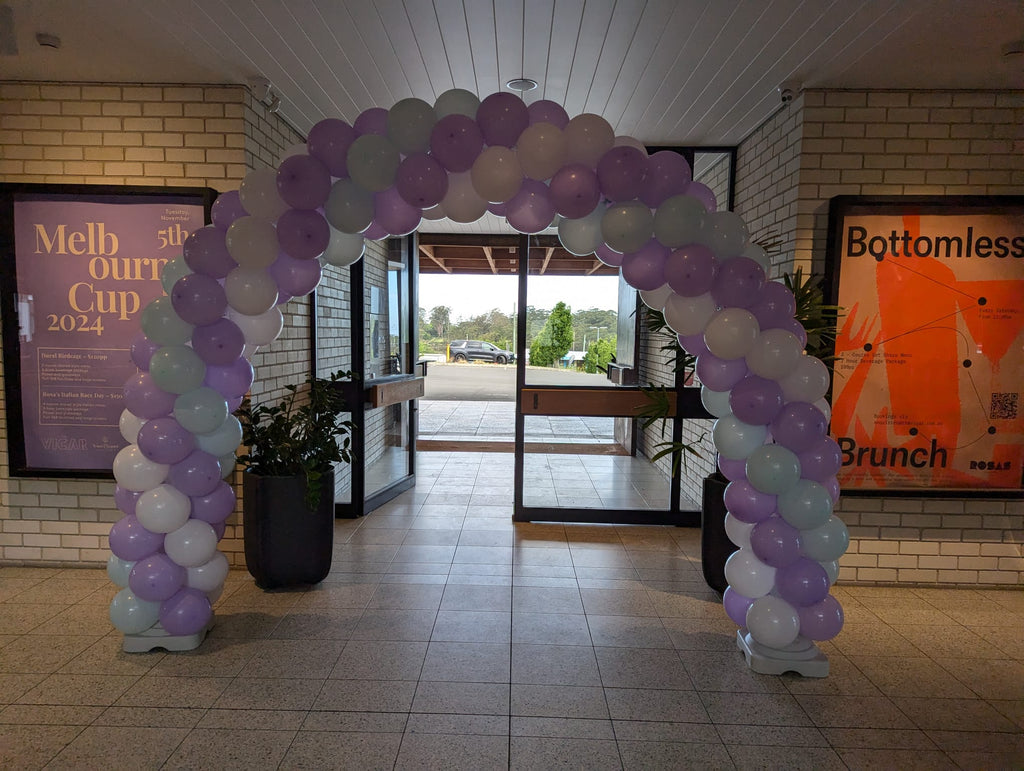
(819, 319)
(303, 434)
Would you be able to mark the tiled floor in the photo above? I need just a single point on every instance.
(448, 638)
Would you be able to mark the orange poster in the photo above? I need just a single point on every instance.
(929, 368)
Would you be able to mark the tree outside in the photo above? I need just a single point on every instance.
(599, 355)
(555, 339)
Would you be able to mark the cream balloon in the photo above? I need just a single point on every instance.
(250, 291)
(689, 315)
(774, 354)
(588, 137)
(731, 333)
(259, 330)
(343, 249)
(496, 174)
(462, 203)
(163, 509)
(808, 381)
(135, 472)
(258, 194)
(129, 425)
(542, 149)
(252, 242)
(655, 299)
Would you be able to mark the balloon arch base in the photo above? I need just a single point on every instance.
(157, 638)
(801, 656)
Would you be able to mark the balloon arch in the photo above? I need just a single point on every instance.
(460, 158)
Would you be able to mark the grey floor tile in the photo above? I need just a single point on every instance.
(647, 755)
(333, 750)
(648, 704)
(230, 748)
(467, 662)
(95, 746)
(366, 695)
(786, 758)
(545, 599)
(269, 693)
(554, 664)
(380, 660)
(470, 752)
(565, 701)
(531, 752)
(642, 668)
(462, 698)
(477, 597)
(550, 628)
(562, 727)
(472, 626)
(628, 631)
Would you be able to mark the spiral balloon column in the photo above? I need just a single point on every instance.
(459, 158)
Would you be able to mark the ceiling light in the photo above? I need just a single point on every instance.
(522, 84)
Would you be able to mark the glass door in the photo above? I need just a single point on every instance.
(579, 456)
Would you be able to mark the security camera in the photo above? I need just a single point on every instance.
(788, 91)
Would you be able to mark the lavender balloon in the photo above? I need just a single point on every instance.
(219, 343)
(142, 350)
(372, 121)
(622, 172)
(775, 305)
(645, 269)
(215, 506)
(668, 174)
(296, 277)
(546, 111)
(821, 621)
(197, 475)
(798, 426)
(206, 252)
(185, 613)
(609, 256)
(720, 374)
(156, 578)
(226, 209)
(329, 141)
(231, 380)
(421, 181)
(126, 499)
(303, 182)
(738, 283)
(394, 214)
(575, 191)
(198, 299)
(802, 583)
(130, 541)
(775, 542)
(733, 470)
(502, 117)
(303, 234)
(746, 503)
(163, 440)
(822, 460)
(692, 344)
(736, 606)
(456, 141)
(703, 194)
(690, 270)
(756, 400)
(530, 210)
(145, 399)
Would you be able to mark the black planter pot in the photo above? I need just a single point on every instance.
(715, 546)
(286, 544)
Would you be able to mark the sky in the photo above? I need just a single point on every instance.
(470, 296)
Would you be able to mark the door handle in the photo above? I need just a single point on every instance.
(536, 401)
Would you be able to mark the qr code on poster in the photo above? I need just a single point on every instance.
(1004, 406)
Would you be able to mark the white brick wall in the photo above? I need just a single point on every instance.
(893, 143)
(133, 135)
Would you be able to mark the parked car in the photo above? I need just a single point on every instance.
(478, 350)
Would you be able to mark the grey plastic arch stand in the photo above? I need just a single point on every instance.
(801, 656)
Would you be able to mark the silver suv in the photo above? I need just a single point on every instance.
(478, 350)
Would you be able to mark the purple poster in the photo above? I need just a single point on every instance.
(86, 267)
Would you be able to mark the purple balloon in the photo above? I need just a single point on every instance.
(187, 612)
(329, 141)
(609, 256)
(575, 190)
(421, 181)
(530, 210)
(803, 583)
(130, 541)
(219, 528)
(230, 380)
(775, 305)
(794, 326)
(126, 499)
(375, 232)
(720, 374)
(197, 475)
(216, 506)
(206, 252)
(690, 270)
(736, 606)
(219, 343)
(748, 504)
(198, 299)
(394, 213)
(832, 485)
(502, 117)
(668, 174)
(296, 277)
(821, 621)
(156, 578)
(703, 194)
(498, 209)
(372, 121)
(226, 209)
(164, 440)
(546, 111)
(756, 400)
(456, 141)
(775, 542)
(303, 182)
(142, 350)
(693, 344)
(644, 269)
(798, 426)
(822, 460)
(622, 172)
(738, 283)
(303, 234)
(145, 399)
(733, 470)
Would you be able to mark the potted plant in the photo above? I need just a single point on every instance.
(288, 484)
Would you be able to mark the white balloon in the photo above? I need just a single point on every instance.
(259, 330)
(457, 101)
(832, 569)
(588, 137)
(163, 509)
(118, 570)
(252, 242)
(131, 615)
(738, 531)
(250, 291)
(716, 402)
(258, 194)
(725, 233)
(129, 424)
(749, 576)
(210, 576)
(757, 254)
(191, 545)
(808, 381)
(678, 220)
(773, 622)
(496, 174)
(462, 203)
(774, 354)
(655, 299)
(227, 462)
(825, 408)
(624, 141)
(200, 411)
(349, 207)
(343, 249)
(434, 213)
(222, 440)
(409, 125)
(582, 236)
(135, 472)
(735, 439)
(731, 333)
(689, 315)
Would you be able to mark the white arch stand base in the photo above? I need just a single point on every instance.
(156, 637)
(801, 656)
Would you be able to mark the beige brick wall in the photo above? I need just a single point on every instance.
(133, 135)
(894, 143)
